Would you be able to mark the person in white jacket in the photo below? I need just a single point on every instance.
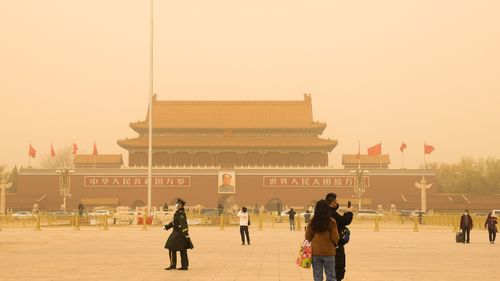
(244, 222)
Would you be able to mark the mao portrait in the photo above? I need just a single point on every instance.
(226, 182)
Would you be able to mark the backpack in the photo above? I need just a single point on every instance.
(345, 235)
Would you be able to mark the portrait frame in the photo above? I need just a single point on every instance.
(228, 187)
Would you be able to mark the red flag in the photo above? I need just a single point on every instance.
(94, 150)
(402, 147)
(52, 152)
(375, 150)
(75, 148)
(428, 149)
(32, 152)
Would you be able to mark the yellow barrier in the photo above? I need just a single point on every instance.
(260, 220)
(221, 227)
(377, 228)
(37, 223)
(299, 225)
(144, 222)
(105, 228)
(77, 222)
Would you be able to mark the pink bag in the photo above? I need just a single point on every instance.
(304, 258)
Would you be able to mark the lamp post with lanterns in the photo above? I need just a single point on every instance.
(360, 185)
(64, 185)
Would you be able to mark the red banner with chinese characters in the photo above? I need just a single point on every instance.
(312, 181)
(136, 181)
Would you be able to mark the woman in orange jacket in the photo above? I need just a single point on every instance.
(323, 234)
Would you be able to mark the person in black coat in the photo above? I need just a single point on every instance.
(342, 221)
(179, 240)
(491, 225)
(466, 225)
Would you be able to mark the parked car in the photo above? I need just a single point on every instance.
(61, 214)
(366, 213)
(209, 212)
(22, 214)
(101, 213)
(495, 213)
(406, 213)
(134, 213)
(164, 215)
(418, 214)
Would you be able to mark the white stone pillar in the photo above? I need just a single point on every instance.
(3, 187)
(423, 195)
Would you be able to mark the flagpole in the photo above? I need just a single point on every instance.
(359, 155)
(403, 159)
(150, 138)
(425, 164)
(380, 155)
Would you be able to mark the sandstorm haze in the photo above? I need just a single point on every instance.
(377, 70)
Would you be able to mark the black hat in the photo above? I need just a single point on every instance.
(180, 201)
(330, 197)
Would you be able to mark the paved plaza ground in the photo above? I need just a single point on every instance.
(128, 253)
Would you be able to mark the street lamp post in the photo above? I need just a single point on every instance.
(360, 186)
(64, 185)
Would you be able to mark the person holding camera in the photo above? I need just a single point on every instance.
(244, 223)
(342, 221)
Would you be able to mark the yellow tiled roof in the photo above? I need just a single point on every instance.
(232, 114)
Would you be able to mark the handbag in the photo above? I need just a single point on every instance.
(189, 243)
(248, 220)
(304, 259)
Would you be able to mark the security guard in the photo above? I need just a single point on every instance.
(179, 239)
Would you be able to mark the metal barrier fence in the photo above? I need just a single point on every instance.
(258, 221)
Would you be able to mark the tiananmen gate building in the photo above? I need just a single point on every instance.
(239, 152)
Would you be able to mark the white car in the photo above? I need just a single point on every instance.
(368, 213)
(101, 213)
(418, 214)
(22, 214)
(495, 213)
(164, 213)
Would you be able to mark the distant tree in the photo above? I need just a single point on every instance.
(480, 176)
(4, 175)
(63, 158)
(13, 179)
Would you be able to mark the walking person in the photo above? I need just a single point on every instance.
(342, 221)
(291, 218)
(491, 225)
(323, 234)
(466, 225)
(80, 208)
(244, 223)
(307, 218)
(179, 240)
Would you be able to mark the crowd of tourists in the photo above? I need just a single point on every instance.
(326, 231)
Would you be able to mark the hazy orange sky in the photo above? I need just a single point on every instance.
(395, 70)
